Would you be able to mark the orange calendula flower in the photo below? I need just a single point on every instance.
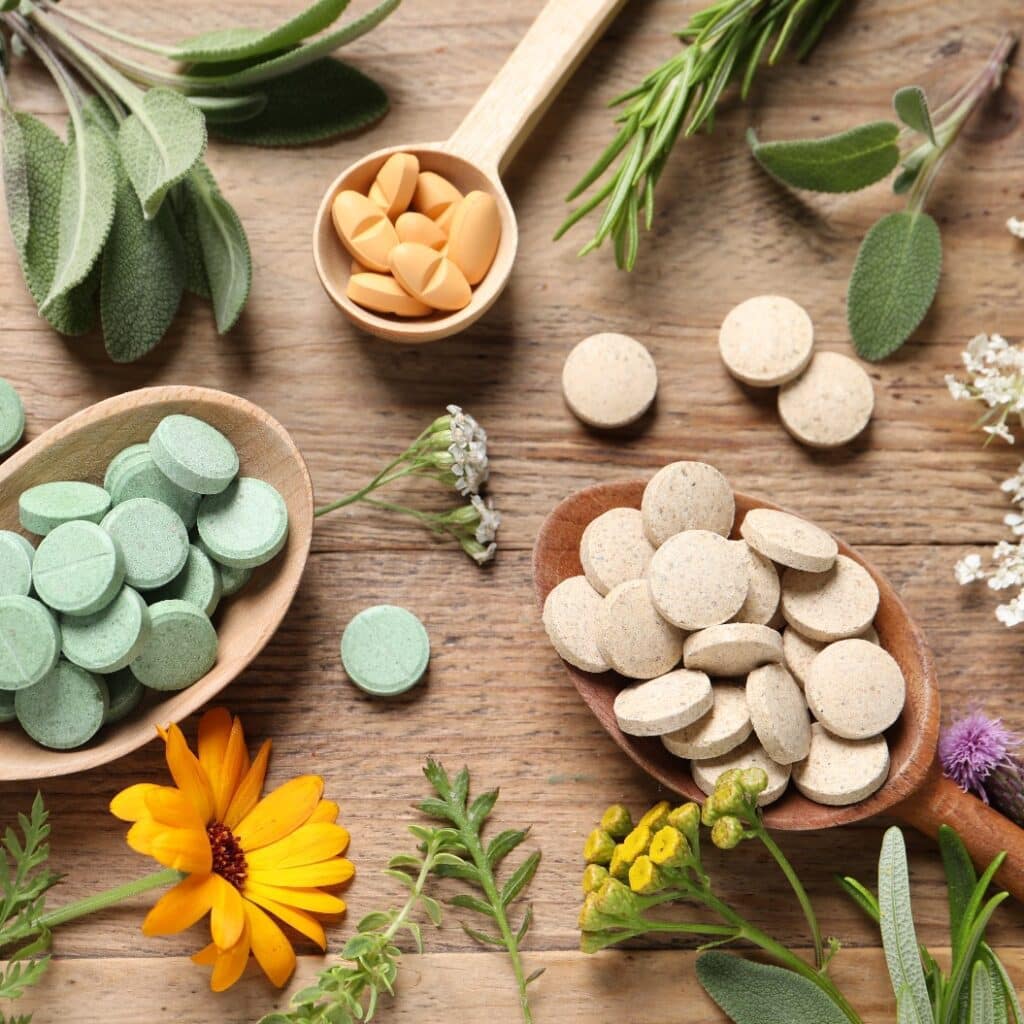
(247, 860)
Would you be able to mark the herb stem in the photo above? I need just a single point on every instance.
(111, 33)
(377, 481)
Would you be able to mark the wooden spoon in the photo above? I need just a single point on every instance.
(473, 158)
(916, 791)
(80, 448)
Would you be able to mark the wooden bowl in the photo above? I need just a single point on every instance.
(80, 448)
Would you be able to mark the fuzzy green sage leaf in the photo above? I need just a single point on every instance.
(844, 162)
(983, 997)
(911, 107)
(229, 109)
(893, 283)
(16, 186)
(752, 993)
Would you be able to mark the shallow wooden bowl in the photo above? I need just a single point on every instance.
(80, 448)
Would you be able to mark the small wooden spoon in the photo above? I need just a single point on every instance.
(473, 158)
(80, 448)
(916, 791)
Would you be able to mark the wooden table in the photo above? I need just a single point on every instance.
(914, 493)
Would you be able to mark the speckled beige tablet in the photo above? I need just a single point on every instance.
(788, 540)
(609, 380)
(570, 616)
(722, 729)
(833, 605)
(664, 704)
(855, 689)
(687, 496)
(838, 772)
(829, 404)
(732, 649)
(614, 549)
(762, 600)
(799, 651)
(778, 712)
(750, 755)
(766, 341)
(699, 579)
(634, 639)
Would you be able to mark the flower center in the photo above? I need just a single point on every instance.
(228, 856)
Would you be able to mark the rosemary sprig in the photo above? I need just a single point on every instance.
(726, 43)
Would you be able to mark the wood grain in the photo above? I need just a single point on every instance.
(913, 494)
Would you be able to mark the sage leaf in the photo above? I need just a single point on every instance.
(160, 142)
(16, 189)
(899, 938)
(318, 102)
(846, 162)
(903, 181)
(183, 203)
(893, 283)
(226, 257)
(229, 109)
(752, 993)
(983, 1003)
(241, 43)
(88, 185)
(911, 108)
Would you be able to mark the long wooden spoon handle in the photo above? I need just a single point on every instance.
(537, 69)
(984, 831)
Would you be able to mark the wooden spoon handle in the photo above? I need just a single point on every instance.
(984, 831)
(537, 69)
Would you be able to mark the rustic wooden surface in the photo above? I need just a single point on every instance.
(914, 493)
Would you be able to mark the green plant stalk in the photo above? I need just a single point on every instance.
(111, 33)
(377, 481)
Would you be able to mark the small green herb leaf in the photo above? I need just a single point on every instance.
(230, 109)
(894, 282)
(1012, 1003)
(503, 844)
(184, 203)
(520, 878)
(903, 181)
(983, 1001)
(862, 896)
(961, 879)
(845, 162)
(16, 179)
(752, 993)
(911, 108)
(160, 142)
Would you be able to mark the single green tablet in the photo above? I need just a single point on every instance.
(182, 647)
(78, 568)
(193, 454)
(12, 417)
(125, 693)
(231, 579)
(140, 477)
(15, 564)
(29, 642)
(385, 650)
(245, 525)
(45, 507)
(198, 583)
(120, 461)
(63, 710)
(107, 640)
(152, 538)
(7, 713)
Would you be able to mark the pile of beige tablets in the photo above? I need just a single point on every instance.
(781, 666)
(418, 244)
(825, 398)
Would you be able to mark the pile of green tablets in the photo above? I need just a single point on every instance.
(118, 595)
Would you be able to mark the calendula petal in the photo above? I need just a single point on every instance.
(303, 923)
(142, 834)
(179, 908)
(248, 792)
(270, 946)
(326, 810)
(170, 806)
(188, 774)
(279, 813)
(306, 845)
(314, 900)
(212, 744)
(232, 771)
(328, 872)
(231, 962)
(182, 849)
(227, 914)
(130, 803)
(207, 956)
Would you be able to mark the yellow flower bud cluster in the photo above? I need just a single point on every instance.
(733, 805)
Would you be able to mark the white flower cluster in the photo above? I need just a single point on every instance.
(486, 530)
(995, 378)
(468, 451)
(1016, 227)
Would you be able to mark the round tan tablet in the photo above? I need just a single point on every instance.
(833, 605)
(732, 649)
(838, 772)
(829, 404)
(687, 496)
(722, 729)
(750, 755)
(661, 705)
(788, 540)
(766, 341)
(799, 652)
(614, 549)
(570, 615)
(778, 712)
(762, 600)
(855, 689)
(699, 579)
(634, 639)
(609, 380)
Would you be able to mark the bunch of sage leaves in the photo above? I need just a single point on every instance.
(896, 274)
(125, 216)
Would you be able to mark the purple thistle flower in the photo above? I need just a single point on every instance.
(972, 747)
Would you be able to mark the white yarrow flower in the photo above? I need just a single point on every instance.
(1016, 227)
(469, 466)
(968, 569)
(490, 519)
